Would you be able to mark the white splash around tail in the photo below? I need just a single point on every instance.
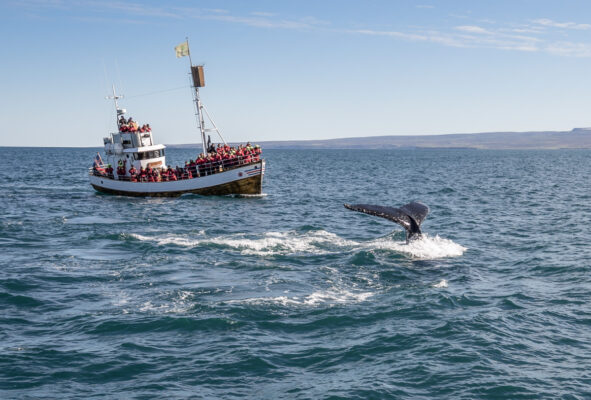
(425, 248)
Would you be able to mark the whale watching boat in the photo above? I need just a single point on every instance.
(141, 168)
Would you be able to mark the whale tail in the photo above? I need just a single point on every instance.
(410, 215)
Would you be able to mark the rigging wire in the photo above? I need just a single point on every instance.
(156, 92)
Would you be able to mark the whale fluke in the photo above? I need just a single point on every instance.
(410, 215)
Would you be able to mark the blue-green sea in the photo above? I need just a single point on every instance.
(291, 296)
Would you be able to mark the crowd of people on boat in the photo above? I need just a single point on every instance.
(129, 125)
(218, 159)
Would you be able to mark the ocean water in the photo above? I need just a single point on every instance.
(291, 296)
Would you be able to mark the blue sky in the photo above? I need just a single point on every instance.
(279, 70)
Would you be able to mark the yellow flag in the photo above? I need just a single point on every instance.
(182, 50)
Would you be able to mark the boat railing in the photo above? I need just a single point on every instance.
(196, 171)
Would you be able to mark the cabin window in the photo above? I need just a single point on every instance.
(148, 154)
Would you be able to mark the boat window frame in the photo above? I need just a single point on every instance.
(148, 155)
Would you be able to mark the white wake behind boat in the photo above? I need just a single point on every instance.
(141, 164)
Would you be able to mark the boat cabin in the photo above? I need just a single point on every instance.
(133, 146)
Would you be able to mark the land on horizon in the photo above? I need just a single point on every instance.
(578, 138)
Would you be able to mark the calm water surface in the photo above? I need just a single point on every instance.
(291, 296)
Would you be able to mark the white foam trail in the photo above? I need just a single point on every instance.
(167, 239)
(441, 284)
(284, 243)
(272, 243)
(330, 296)
(314, 242)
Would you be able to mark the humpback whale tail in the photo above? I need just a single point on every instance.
(410, 215)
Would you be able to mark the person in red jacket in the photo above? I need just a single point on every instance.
(109, 171)
(225, 160)
(200, 164)
(133, 174)
(216, 158)
(209, 164)
(171, 174)
(192, 168)
(143, 177)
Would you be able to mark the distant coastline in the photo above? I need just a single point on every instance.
(578, 138)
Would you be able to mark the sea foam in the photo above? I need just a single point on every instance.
(312, 243)
(441, 284)
(271, 243)
(330, 296)
(425, 248)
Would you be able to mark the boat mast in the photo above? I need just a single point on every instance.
(197, 100)
(197, 81)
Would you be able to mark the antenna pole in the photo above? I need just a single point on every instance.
(115, 98)
(189, 50)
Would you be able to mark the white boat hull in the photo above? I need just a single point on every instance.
(247, 179)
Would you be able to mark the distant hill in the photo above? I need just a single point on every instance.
(578, 138)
